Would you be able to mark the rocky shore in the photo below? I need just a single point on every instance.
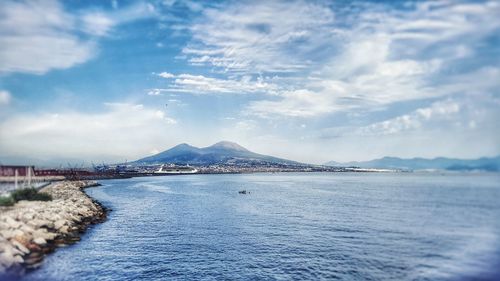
(31, 229)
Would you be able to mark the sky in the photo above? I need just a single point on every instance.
(312, 81)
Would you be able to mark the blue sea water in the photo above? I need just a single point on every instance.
(326, 226)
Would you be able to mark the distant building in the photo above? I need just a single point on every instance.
(22, 171)
(48, 172)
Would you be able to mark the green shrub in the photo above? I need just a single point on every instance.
(6, 201)
(30, 194)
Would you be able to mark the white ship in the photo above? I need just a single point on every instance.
(168, 169)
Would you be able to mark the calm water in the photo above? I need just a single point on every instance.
(291, 226)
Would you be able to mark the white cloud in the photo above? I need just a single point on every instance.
(469, 114)
(481, 81)
(39, 54)
(105, 135)
(161, 115)
(199, 84)
(256, 37)
(5, 97)
(367, 62)
(155, 92)
(166, 75)
(386, 56)
(458, 127)
(100, 23)
(37, 36)
(439, 111)
(246, 125)
(298, 103)
(97, 23)
(388, 82)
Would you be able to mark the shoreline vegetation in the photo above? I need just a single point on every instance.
(31, 229)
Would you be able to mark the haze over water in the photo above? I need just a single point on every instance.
(347, 226)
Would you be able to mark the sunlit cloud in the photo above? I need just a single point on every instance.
(463, 114)
(199, 84)
(123, 128)
(387, 56)
(421, 117)
(299, 103)
(365, 78)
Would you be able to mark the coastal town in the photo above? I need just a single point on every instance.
(14, 176)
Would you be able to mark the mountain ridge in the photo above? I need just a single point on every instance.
(223, 152)
(419, 163)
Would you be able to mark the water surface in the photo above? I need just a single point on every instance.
(347, 226)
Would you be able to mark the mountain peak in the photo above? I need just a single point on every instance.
(228, 145)
(223, 152)
(183, 146)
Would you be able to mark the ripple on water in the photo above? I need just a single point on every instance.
(291, 226)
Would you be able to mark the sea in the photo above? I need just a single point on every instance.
(290, 226)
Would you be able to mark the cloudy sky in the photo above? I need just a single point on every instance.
(311, 81)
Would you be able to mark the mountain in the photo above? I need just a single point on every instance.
(223, 152)
(440, 163)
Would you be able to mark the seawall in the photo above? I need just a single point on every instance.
(31, 229)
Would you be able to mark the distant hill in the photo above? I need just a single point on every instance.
(223, 152)
(440, 163)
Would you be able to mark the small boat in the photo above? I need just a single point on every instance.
(243, 192)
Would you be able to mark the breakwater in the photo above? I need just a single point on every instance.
(31, 229)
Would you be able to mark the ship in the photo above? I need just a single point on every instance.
(172, 169)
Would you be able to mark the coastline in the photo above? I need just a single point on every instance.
(31, 229)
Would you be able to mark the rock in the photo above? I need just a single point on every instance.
(27, 229)
(8, 233)
(3, 225)
(6, 259)
(19, 246)
(41, 224)
(13, 224)
(59, 224)
(22, 239)
(64, 229)
(28, 217)
(60, 242)
(33, 248)
(40, 241)
(18, 232)
(31, 261)
(18, 259)
(43, 233)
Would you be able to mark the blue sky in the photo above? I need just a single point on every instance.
(311, 81)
